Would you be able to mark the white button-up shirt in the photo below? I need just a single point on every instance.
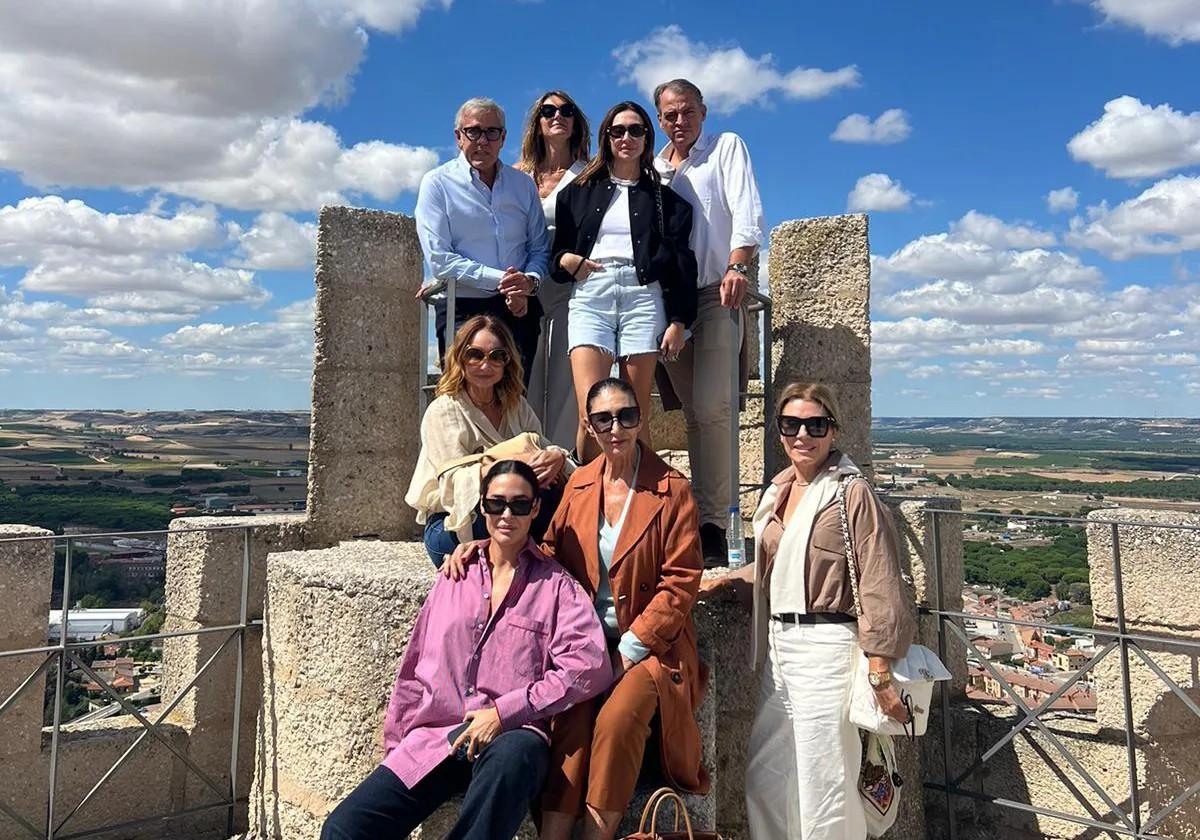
(718, 181)
(472, 233)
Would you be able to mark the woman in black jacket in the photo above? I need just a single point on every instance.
(622, 241)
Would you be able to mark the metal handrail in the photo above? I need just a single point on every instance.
(63, 655)
(1129, 821)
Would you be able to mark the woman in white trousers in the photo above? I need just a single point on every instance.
(804, 753)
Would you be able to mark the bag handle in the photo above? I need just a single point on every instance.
(851, 557)
(649, 809)
(674, 798)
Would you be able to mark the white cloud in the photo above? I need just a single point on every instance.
(967, 303)
(144, 94)
(1062, 200)
(729, 78)
(996, 233)
(1175, 21)
(1164, 219)
(925, 372)
(299, 165)
(891, 126)
(986, 252)
(999, 347)
(46, 227)
(878, 192)
(276, 242)
(121, 261)
(1135, 140)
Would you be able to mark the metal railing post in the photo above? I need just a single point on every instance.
(1126, 698)
(768, 406)
(450, 305)
(59, 690)
(423, 359)
(735, 423)
(235, 738)
(943, 692)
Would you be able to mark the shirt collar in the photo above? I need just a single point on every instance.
(465, 168)
(703, 142)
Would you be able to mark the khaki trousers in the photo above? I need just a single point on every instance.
(701, 379)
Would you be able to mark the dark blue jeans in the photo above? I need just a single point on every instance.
(498, 788)
(439, 542)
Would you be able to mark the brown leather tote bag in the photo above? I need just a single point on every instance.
(650, 816)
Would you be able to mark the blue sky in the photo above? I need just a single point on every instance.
(1032, 172)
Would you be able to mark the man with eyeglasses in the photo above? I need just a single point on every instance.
(713, 173)
(481, 224)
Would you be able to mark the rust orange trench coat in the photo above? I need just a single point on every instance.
(655, 577)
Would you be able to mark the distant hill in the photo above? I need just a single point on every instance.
(1099, 434)
(264, 424)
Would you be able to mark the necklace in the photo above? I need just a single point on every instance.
(486, 404)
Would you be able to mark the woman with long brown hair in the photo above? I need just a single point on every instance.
(621, 245)
(479, 405)
(554, 150)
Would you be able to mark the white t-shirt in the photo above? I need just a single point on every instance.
(615, 238)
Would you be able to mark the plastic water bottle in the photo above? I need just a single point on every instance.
(736, 539)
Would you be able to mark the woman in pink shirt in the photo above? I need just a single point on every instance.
(492, 657)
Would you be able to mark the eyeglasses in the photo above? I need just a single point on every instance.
(496, 505)
(547, 111)
(629, 417)
(817, 427)
(673, 117)
(476, 356)
(474, 132)
(616, 132)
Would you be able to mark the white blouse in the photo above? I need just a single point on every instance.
(549, 202)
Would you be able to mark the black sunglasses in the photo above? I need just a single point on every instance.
(616, 132)
(547, 111)
(629, 417)
(475, 355)
(495, 505)
(817, 427)
(474, 132)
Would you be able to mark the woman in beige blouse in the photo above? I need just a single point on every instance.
(479, 405)
(804, 753)
(555, 148)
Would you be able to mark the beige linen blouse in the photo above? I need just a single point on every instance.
(451, 428)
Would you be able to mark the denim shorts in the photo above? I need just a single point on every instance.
(613, 312)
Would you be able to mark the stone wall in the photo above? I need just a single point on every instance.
(820, 281)
(365, 416)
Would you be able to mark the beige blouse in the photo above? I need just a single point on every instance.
(888, 624)
(451, 428)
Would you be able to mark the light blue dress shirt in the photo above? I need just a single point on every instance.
(472, 233)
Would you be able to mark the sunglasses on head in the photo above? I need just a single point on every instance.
(616, 132)
(629, 417)
(476, 356)
(496, 505)
(474, 132)
(817, 427)
(547, 111)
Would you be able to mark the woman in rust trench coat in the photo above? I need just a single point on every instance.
(628, 530)
(629, 511)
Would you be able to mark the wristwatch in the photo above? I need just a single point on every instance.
(536, 281)
(740, 268)
(878, 679)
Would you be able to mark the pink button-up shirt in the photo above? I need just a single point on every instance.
(540, 653)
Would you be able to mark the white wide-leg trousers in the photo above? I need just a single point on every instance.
(804, 754)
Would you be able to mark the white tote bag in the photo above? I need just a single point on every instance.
(879, 784)
(913, 676)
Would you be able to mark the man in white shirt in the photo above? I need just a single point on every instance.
(713, 173)
(481, 223)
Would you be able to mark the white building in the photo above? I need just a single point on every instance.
(86, 625)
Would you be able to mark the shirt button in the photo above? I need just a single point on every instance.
(470, 691)
(645, 587)
(475, 657)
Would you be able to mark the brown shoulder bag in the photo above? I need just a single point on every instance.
(650, 816)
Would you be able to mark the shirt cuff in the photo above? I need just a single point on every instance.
(631, 647)
(514, 708)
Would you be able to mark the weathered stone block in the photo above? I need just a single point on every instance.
(365, 421)
(337, 621)
(339, 487)
(368, 327)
